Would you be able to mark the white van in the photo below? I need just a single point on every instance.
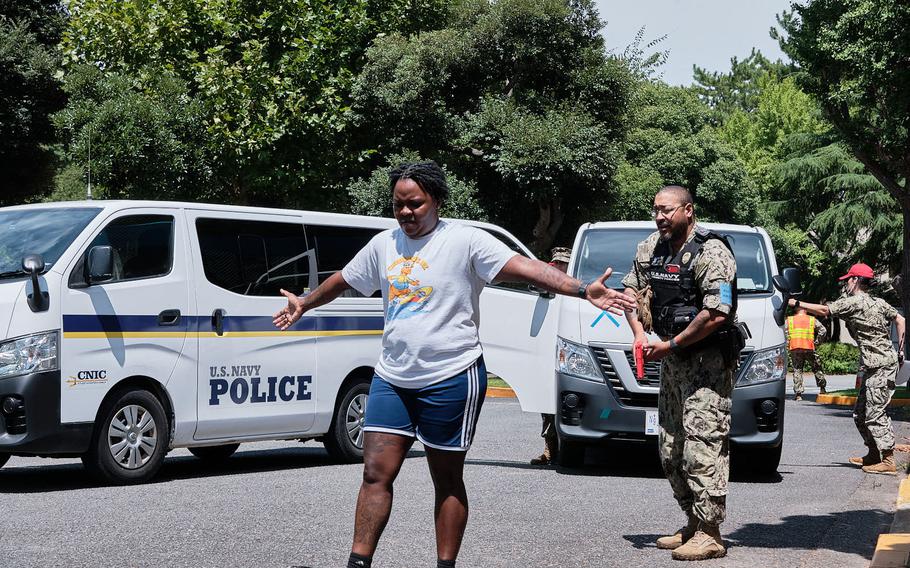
(595, 394)
(129, 328)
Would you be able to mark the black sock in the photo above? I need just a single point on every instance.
(358, 561)
(445, 563)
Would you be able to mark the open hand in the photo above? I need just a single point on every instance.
(607, 298)
(288, 315)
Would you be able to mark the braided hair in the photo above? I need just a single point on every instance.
(428, 175)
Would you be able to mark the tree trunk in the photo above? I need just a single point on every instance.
(549, 220)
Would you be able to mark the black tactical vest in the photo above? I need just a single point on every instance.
(676, 299)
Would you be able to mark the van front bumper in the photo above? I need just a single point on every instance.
(30, 418)
(597, 415)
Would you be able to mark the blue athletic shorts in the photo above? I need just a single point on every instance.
(442, 415)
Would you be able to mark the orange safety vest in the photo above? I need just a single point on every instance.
(801, 329)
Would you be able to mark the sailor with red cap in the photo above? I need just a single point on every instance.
(868, 320)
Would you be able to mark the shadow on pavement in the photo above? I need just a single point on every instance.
(800, 532)
(70, 476)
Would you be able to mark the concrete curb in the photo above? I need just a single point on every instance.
(500, 392)
(893, 548)
(840, 400)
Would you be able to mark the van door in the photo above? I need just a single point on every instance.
(518, 334)
(254, 380)
(133, 324)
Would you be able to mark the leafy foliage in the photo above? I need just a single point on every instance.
(372, 195)
(838, 358)
(519, 95)
(30, 91)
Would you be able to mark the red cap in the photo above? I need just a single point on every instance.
(861, 270)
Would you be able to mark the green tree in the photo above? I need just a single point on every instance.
(272, 77)
(518, 95)
(671, 142)
(30, 91)
(144, 143)
(373, 196)
(853, 54)
(740, 88)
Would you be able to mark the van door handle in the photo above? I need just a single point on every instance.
(169, 317)
(218, 321)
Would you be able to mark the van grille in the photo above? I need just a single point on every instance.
(652, 377)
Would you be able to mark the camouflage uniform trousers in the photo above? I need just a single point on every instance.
(798, 358)
(694, 415)
(869, 414)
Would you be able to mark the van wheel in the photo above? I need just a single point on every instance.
(130, 440)
(3, 459)
(214, 453)
(571, 454)
(344, 440)
(762, 461)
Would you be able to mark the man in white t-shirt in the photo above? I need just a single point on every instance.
(430, 380)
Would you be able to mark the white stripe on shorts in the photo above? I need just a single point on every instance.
(475, 408)
(470, 411)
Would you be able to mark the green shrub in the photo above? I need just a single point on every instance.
(838, 358)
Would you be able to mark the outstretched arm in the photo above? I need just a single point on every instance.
(542, 275)
(818, 310)
(333, 287)
(901, 323)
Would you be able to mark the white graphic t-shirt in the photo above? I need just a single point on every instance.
(431, 291)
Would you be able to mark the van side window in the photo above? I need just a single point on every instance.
(517, 286)
(143, 247)
(336, 246)
(254, 258)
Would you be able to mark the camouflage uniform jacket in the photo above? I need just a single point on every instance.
(868, 320)
(713, 266)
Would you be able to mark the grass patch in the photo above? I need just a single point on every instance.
(900, 392)
(494, 381)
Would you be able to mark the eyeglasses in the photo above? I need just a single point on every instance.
(665, 213)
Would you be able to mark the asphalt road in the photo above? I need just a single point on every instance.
(281, 504)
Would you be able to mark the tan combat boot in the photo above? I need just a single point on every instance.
(544, 458)
(705, 544)
(682, 535)
(884, 467)
(872, 457)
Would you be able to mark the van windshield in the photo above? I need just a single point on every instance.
(47, 232)
(601, 248)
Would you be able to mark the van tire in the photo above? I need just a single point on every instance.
(351, 407)
(571, 454)
(214, 453)
(3, 459)
(140, 416)
(761, 461)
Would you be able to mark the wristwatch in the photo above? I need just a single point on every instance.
(674, 347)
(583, 290)
(796, 305)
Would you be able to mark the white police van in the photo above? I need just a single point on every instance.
(130, 328)
(595, 393)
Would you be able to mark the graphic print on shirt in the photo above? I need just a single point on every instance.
(407, 297)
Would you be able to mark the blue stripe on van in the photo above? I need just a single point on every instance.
(149, 323)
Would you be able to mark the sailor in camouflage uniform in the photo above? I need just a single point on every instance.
(684, 277)
(868, 320)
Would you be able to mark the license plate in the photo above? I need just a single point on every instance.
(651, 427)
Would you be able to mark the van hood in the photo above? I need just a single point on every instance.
(11, 293)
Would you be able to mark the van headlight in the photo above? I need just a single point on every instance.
(765, 366)
(576, 360)
(29, 354)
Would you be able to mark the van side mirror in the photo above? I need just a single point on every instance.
(789, 285)
(33, 265)
(100, 264)
(789, 282)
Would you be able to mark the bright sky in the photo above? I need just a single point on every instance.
(706, 33)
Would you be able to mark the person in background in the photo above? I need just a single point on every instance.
(804, 333)
(559, 259)
(868, 319)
